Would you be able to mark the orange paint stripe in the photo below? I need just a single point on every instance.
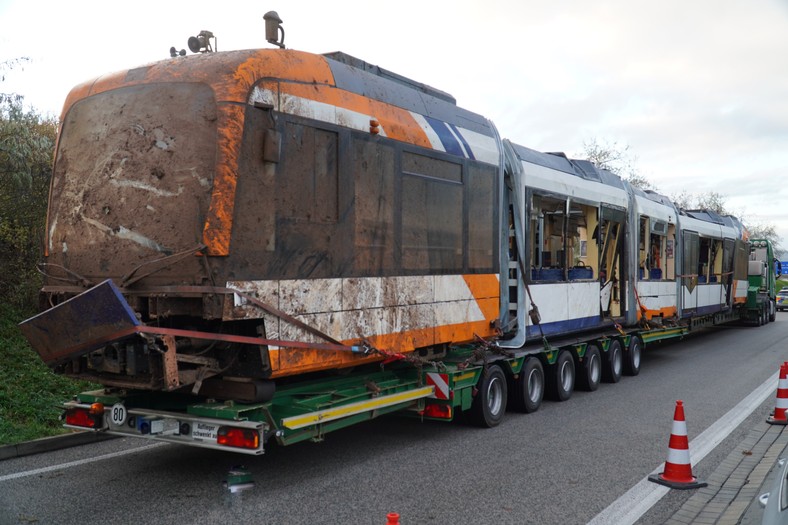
(668, 311)
(485, 286)
(219, 220)
(398, 123)
(287, 362)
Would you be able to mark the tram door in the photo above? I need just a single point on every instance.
(610, 238)
(689, 271)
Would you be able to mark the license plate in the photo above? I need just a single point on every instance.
(205, 432)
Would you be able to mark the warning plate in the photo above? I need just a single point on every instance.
(205, 432)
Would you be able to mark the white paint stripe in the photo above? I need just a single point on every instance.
(77, 463)
(634, 503)
(484, 148)
(441, 386)
(432, 136)
(679, 428)
(678, 456)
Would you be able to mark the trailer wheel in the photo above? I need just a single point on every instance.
(591, 371)
(489, 405)
(632, 357)
(528, 389)
(612, 370)
(772, 311)
(562, 377)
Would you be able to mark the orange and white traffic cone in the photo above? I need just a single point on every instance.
(392, 518)
(678, 472)
(781, 405)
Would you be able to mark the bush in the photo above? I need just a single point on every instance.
(27, 142)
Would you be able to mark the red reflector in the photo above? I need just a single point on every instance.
(439, 411)
(81, 417)
(238, 437)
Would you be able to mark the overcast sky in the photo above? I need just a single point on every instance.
(697, 89)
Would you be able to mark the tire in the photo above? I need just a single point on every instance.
(590, 373)
(633, 355)
(772, 311)
(562, 377)
(614, 363)
(489, 405)
(527, 390)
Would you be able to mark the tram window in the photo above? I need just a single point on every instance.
(432, 226)
(309, 192)
(644, 249)
(715, 261)
(373, 170)
(703, 260)
(691, 250)
(414, 164)
(581, 266)
(481, 218)
(655, 257)
(548, 233)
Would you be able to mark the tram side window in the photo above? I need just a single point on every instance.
(432, 204)
(715, 261)
(481, 218)
(373, 169)
(652, 249)
(703, 260)
(548, 230)
(740, 260)
(581, 256)
(691, 249)
(309, 193)
(656, 257)
(644, 245)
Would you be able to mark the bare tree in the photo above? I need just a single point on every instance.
(616, 159)
(619, 160)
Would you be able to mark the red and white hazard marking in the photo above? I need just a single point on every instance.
(441, 384)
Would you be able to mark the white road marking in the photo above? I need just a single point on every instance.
(77, 463)
(628, 508)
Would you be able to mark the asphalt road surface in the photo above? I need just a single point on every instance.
(564, 464)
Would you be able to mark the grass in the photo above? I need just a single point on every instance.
(30, 393)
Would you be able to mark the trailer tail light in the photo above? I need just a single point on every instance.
(87, 417)
(238, 437)
(438, 411)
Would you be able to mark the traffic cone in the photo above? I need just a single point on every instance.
(781, 405)
(392, 518)
(678, 472)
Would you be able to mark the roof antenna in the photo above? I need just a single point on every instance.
(273, 24)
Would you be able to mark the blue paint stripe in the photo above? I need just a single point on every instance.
(462, 139)
(448, 140)
(703, 310)
(565, 327)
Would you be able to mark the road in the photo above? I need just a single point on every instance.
(563, 464)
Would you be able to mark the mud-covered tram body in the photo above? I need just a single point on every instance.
(314, 200)
(358, 202)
